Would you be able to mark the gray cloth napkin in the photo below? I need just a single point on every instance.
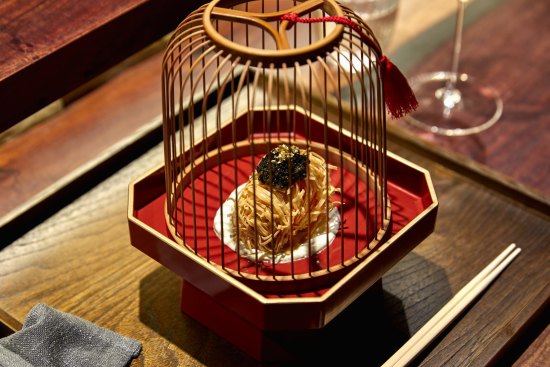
(51, 338)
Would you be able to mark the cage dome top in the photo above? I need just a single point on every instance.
(289, 34)
(278, 27)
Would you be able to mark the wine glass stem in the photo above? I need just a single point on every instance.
(457, 44)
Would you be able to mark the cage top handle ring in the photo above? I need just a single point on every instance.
(398, 95)
(216, 11)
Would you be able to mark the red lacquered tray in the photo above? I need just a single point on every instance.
(414, 209)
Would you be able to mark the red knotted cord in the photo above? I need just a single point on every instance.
(398, 95)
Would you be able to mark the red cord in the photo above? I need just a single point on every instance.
(294, 18)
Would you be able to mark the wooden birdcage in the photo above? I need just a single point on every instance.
(278, 186)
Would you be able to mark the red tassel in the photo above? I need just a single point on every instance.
(399, 97)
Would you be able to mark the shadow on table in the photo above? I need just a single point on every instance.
(368, 332)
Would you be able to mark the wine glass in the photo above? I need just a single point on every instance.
(453, 103)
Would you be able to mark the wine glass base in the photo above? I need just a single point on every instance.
(466, 109)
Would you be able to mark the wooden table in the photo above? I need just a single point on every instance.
(80, 260)
(49, 48)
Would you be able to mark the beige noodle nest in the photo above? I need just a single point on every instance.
(278, 221)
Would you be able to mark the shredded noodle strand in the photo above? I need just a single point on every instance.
(279, 235)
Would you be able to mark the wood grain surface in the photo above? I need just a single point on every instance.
(538, 353)
(48, 48)
(81, 261)
(46, 160)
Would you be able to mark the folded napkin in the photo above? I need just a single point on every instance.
(51, 338)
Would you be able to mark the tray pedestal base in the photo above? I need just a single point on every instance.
(289, 345)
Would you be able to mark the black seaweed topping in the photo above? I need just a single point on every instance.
(286, 164)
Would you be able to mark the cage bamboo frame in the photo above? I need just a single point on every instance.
(283, 81)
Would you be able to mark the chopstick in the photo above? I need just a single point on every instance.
(423, 337)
